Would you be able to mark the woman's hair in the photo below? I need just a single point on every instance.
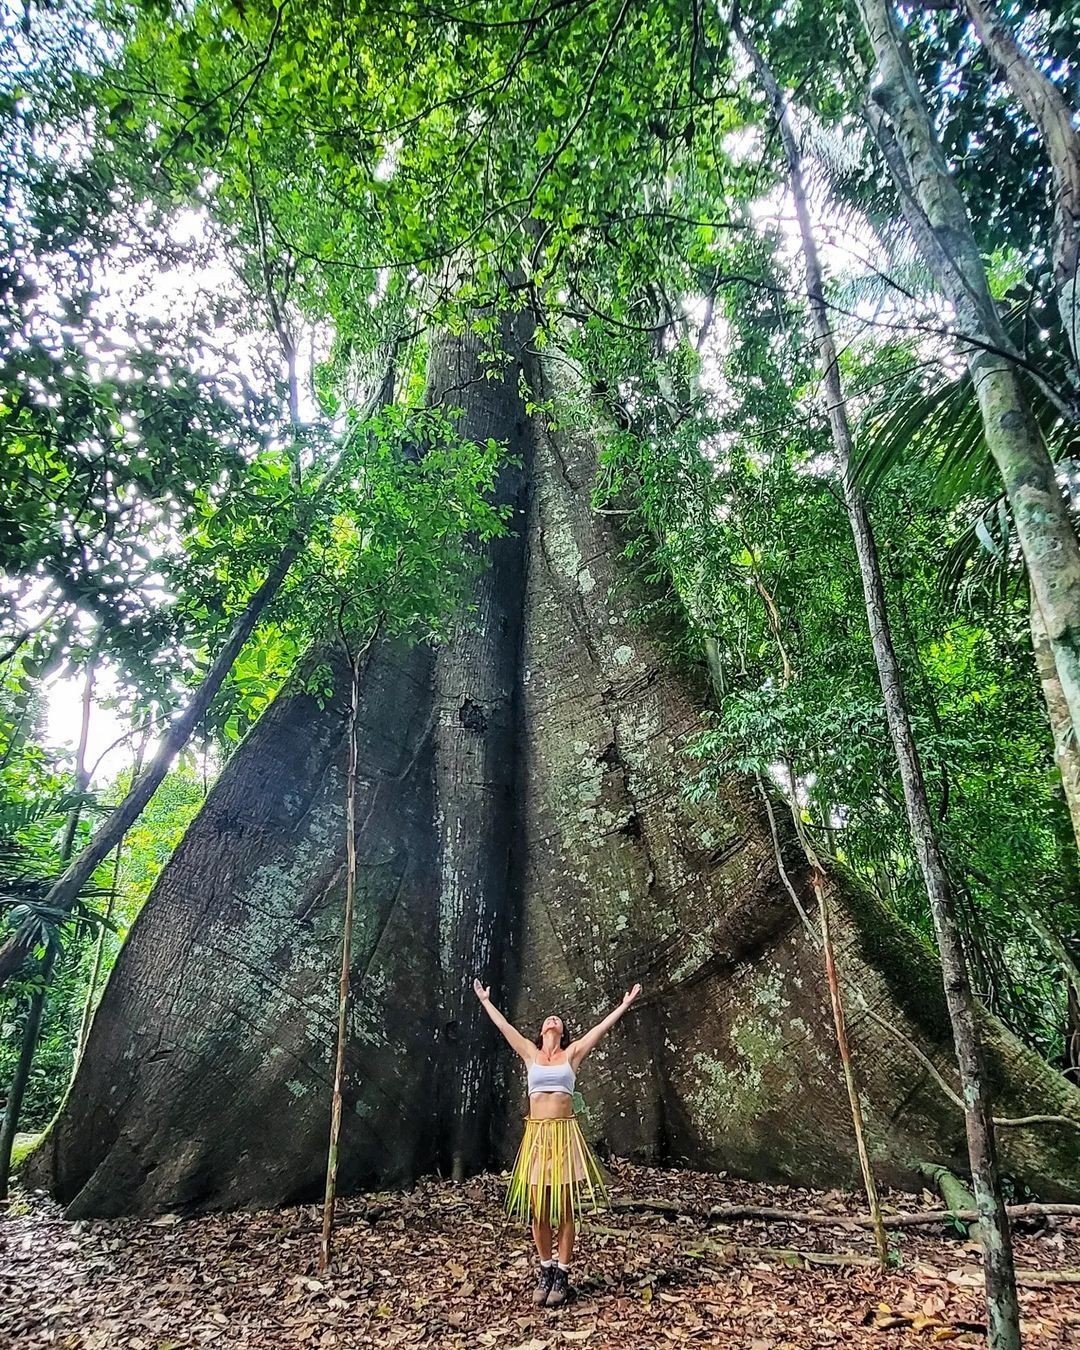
(566, 1037)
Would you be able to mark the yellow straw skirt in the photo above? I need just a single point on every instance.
(555, 1174)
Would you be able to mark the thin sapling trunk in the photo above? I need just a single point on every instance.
(95, 968)
(21, 1077)
(840, 1023)
(356, 666)
(1001, 1290)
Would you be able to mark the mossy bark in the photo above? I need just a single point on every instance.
(938, 218)
(206, 1080)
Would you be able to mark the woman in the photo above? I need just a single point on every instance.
(555, 1175)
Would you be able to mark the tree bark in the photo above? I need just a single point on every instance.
(939, 219)
(1067, 756)
(1046, 106)
(951, 1189)
(477, 735)
(937, 216)
(205, 1078)
(1000, 1282)
(28, 1042)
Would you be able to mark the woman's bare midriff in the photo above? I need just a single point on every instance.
(551, 1106)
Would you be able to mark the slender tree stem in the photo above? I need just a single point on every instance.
(934, 206)
(99, 946)
(841, 440)
(356, 667)
(1001, 1289)
(21, 1077)
(95, 968)
(82, 773)
(837, 1002)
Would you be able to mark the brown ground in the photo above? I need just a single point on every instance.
(441, 1267)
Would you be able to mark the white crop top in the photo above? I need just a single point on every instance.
(552, 1077)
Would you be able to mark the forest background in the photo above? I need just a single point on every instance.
(232, 232)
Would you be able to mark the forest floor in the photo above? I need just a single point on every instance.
(440, 1266)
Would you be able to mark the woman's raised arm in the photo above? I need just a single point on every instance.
(576, 1052)
(518, 1042)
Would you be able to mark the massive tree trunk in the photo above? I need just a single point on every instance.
(558, 845)
(476, 736)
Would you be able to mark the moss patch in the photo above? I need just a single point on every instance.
(23, 1146)
(907, 964)
(732, 1094)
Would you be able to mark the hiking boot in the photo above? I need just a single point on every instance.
(560, 1289)
(543, 1284)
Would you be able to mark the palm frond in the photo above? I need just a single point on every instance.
(985, 557)
(44, 924)
(18, 816)
(878, 286)
(839, 150)
(936, 421)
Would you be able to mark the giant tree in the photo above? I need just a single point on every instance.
(519, 789)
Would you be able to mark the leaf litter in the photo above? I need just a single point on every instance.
(441, 1266)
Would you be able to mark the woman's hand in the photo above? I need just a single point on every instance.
(581, 1048)
(521, 1046)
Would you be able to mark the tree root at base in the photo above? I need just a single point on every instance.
(768, 1214)
(793, 1257)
